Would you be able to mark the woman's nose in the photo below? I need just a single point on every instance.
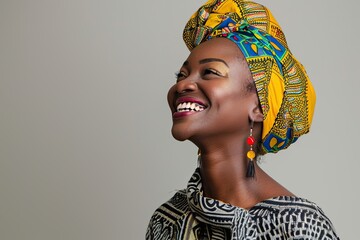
(186, 85)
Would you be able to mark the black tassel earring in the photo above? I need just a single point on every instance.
(250, 172)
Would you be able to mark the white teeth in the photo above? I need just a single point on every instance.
(189, 106)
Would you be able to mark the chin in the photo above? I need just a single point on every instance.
(179, 134)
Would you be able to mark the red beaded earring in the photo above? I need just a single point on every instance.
(250, 172)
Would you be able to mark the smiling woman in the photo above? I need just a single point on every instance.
(239, 94)
(216, 79)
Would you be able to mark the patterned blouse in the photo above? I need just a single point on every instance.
(189, 215)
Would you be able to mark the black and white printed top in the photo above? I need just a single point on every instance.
(189, 215)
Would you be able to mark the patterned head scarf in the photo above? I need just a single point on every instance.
(286, 95)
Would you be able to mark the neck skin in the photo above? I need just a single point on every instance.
(223, 172)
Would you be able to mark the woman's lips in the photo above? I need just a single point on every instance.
(186, 106)
(183, 114)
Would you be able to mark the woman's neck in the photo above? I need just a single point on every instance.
(223, 173)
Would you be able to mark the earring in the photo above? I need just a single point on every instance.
(250, 172)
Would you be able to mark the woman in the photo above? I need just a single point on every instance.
(238, 95)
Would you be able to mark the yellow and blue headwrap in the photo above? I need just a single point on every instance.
(285, 92)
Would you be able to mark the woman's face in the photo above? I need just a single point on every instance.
(214, 95)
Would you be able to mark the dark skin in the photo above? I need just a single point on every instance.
(216, 76)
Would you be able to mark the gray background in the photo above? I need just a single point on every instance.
(85, 144)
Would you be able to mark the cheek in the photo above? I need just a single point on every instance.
(170, 95)
(232, 104)
(227, 95)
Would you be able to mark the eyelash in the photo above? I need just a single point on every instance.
(180, 74)
(212, 71)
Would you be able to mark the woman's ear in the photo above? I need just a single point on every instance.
(256, 114)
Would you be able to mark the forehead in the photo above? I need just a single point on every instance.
(217, 47)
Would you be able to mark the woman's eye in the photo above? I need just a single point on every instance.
(212, 71)
(180, 75)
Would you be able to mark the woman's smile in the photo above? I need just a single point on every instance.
(185, 106)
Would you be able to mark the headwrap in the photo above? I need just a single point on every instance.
(286, 95)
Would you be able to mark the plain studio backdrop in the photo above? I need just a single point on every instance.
(85, 144)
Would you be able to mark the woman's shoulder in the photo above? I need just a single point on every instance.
(304, 217)
(290, 205)
(281, 203)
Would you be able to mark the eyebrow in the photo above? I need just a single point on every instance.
(207, 60)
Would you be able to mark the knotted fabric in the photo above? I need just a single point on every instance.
(286, 95)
